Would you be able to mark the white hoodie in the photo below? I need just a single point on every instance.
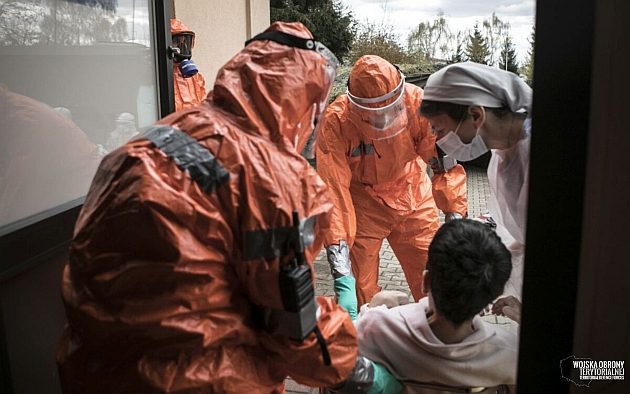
(400, 338)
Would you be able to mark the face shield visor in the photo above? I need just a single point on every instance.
(308, 152)
(385, 116)
(305, 141)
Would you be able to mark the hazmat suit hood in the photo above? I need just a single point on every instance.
(372, 76)
(274, 89)
(178, 27)
(183, 38)
(376, 91)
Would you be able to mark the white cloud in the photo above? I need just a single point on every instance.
(404, 15)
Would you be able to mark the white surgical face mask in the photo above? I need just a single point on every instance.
(453, 146)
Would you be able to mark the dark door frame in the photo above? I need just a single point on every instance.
(560, 129)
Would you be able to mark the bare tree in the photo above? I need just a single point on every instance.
(495, 31)
(82, 24)
(428, 38)
(384, 8)
(377, 39)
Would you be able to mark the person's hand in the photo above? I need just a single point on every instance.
(389, 298)
(508, 306)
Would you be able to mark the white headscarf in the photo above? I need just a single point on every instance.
(477, 84)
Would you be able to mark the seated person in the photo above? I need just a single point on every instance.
(442, 339)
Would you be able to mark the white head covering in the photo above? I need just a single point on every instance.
(477, 84)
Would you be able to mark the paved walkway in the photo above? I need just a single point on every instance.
(391, 276)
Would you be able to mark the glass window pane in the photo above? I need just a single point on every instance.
(77, 80)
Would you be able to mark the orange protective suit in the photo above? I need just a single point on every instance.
(167, 279)
(380, 187)
(191, 91)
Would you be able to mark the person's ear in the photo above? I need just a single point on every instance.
(478, 115)
(426, 282)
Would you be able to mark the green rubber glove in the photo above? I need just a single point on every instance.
(345, 290)
(384, 382)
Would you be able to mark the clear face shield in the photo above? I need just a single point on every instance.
(386, 115)
(308, 152)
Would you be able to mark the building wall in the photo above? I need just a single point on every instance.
(221, 29)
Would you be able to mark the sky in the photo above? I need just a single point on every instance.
(404, 15)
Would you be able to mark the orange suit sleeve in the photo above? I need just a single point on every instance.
(333, 167)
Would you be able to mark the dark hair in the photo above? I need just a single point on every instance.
(434, 108)
(468, 266)
(456, 112)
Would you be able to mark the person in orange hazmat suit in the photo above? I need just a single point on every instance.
(191, 264)
(189, 86)
(372, 152)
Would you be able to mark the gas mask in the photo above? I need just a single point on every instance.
(181, 51)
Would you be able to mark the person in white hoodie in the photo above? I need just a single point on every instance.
(442, 339)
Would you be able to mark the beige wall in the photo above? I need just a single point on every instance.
(221, 28)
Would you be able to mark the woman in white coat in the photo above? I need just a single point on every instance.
(474, 108)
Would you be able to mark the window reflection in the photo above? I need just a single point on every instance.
(78, 80)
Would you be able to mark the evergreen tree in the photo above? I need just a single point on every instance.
(528, 67)
(477, 49)
(508, 56)
(458, 54)
(328, 20)
(494, 30)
